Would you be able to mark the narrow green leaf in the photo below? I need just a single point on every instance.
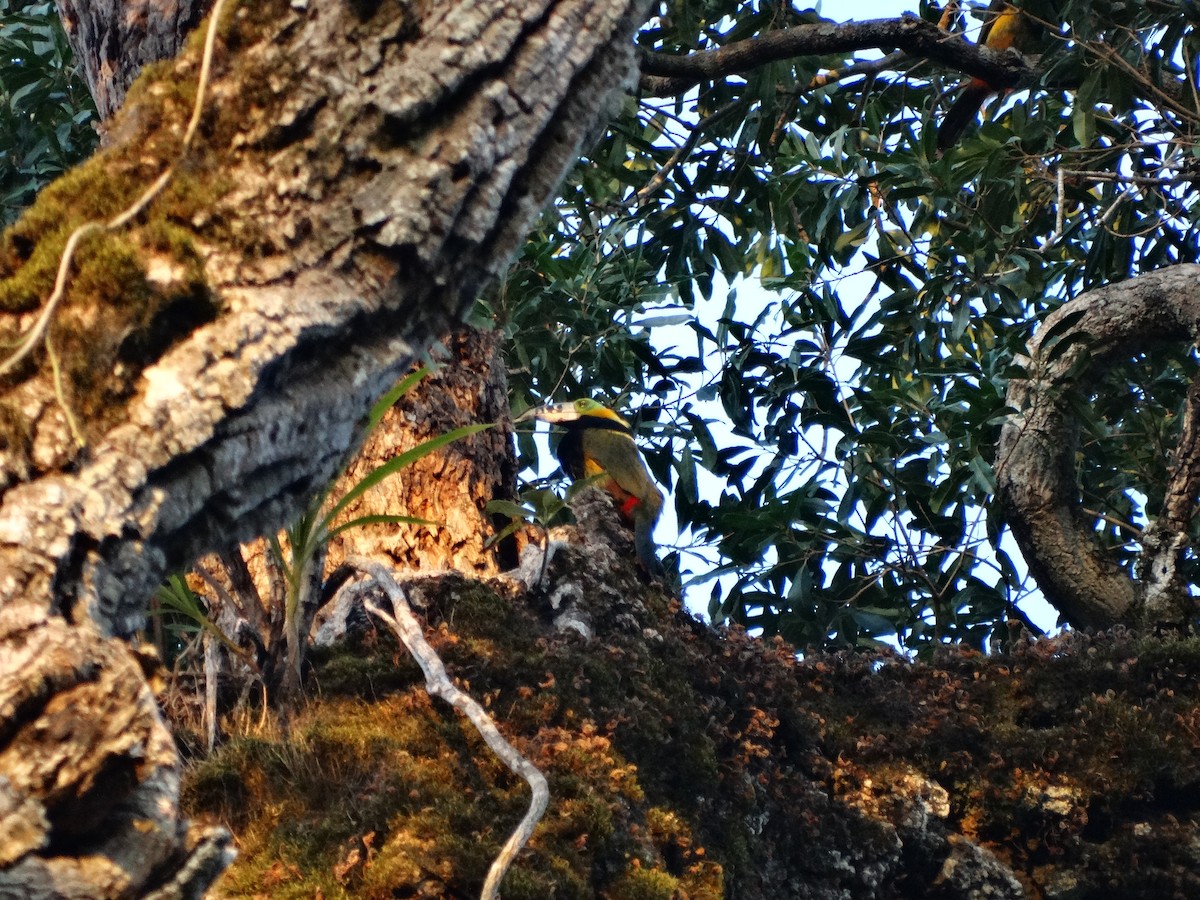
(380, 519)
(396, 463)
(388, 400)
(508, 508)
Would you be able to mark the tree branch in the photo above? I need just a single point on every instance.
(1035, 471)
(1168, 596)
(673, 74)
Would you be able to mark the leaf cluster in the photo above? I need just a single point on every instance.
(832, 435)
(46, 112)
(267, 630)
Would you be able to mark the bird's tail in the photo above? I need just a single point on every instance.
(643, 542)
(962, 113)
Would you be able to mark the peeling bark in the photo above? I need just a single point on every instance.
(360, 174)
(1036, 458)
(450, 487)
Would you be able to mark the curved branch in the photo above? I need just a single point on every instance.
(1035, 470)
(913, 36)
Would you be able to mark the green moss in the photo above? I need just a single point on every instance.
(664, 753)
(114, 321)
(28, 286)
(405, 776)
(346, 672)
(563, 882)
(645, 884)
(14, 433)
(95, 191)
(107, 337)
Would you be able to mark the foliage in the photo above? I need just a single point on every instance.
(46, 112)
(302, 563)
(176, 595)
(832, 439)
(850, 413)
(277, 624)
(539, 507)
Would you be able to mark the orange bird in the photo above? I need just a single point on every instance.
(1004, 26)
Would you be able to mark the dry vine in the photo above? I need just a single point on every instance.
(438, 684)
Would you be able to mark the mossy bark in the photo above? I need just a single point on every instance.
(688, 762)
(360, 171)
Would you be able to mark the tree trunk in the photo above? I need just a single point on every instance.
(114, 39)
(449, 488)
(358, 175)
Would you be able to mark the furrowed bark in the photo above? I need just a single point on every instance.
(360, 173)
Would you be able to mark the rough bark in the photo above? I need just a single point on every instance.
(114, 39)
(1035, 465)
(449, 488)
(361, 171)
(89, 791)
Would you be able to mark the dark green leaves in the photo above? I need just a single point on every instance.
(46, 113)
(833, 438)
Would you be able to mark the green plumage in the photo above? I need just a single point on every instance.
(598, 441)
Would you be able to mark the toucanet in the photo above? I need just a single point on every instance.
(1004, 26)
(598, 442)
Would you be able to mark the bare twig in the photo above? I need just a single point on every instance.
(1059, 214)
(223, 595)
(683, 151)
(1134, 532)
(438, 683)
(211, 664)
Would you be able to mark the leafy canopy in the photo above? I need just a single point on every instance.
(46, 112)
(834, 439)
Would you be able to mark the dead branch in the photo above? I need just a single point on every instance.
(438, 683)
